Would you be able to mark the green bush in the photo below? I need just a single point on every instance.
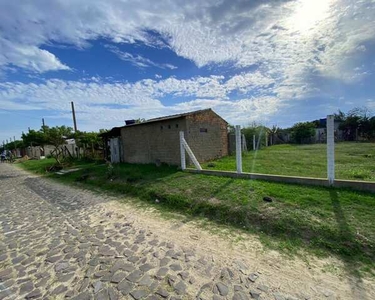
(303, 132)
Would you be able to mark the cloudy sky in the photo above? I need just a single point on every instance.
(270, 61)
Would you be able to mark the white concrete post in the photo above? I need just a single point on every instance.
(182, 150)
(330, 149)
(254, 142)
(238, 149)
(191, 155)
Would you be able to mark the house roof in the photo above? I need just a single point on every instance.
(177, 116)
(116, 130)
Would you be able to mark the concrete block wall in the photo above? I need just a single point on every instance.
(33, 152)
(147, 143)
(48, 149)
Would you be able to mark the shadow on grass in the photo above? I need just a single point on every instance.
(222, 188)
(351, 262)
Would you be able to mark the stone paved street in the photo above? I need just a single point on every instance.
(59, 242)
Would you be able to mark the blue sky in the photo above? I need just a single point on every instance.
(273, 62)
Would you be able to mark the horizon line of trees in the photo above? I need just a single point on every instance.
(55, 136)
(357, 123)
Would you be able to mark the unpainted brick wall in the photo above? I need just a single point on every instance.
(211, 144)
(147, 143)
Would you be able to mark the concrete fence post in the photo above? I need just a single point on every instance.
(185, 147)
(238, 149)
(191, 155)
(330, 149)
(254, 142)
(182, 150)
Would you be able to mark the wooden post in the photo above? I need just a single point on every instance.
(238, 149)
(182, 151)
(330, 149)
(74, 117)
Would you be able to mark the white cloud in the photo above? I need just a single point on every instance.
(288, 38)
(28, 57)
(138, 60)
(141, 93)
(286, 44)
(99, 102)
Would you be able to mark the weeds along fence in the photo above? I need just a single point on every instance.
(243, 164)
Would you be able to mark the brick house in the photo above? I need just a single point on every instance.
(157, 140)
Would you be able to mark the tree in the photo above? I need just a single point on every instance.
(358, 122)
(255, 129)
(34, 138)
(231, 128)
(302, 132)
(88, 140)
(57, 135)
(340, 116)
(140, 120)
(18, 144)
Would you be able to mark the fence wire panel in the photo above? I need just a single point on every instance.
(288, 159)
(273, 152)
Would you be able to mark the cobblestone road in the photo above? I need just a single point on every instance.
(58, 242)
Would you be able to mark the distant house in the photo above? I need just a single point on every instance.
(157, 140)
(321, 131)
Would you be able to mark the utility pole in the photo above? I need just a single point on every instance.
(74, 117)
(43, 124)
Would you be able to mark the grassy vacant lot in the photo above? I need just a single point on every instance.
(353, 161)
(320, 220)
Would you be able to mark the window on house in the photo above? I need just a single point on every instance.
(203, 129)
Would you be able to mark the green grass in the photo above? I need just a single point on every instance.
(353, 161)
(323, 221)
